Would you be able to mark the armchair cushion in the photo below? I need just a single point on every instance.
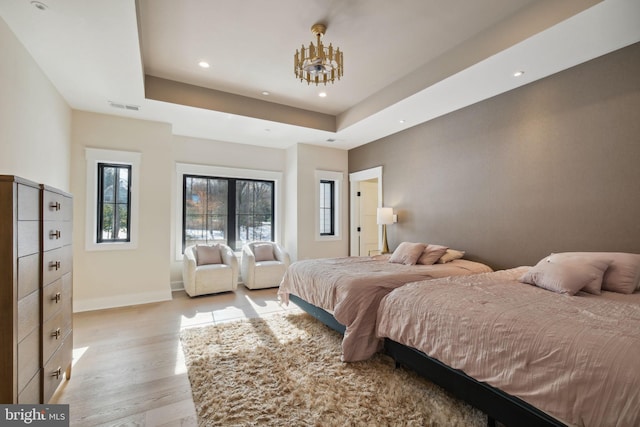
(208, 254)
(263, 252)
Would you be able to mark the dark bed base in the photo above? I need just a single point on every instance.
(320, 314)
(497, 404)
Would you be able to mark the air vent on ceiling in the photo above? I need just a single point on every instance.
(124, 106)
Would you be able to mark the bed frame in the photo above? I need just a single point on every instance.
(498, 405)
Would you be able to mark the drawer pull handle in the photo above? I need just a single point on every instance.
(56, 333)
(55, 234)
(55, 206)
(57, 373)
(56, 297)
(55, 265)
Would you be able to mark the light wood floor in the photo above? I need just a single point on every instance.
(128, 363)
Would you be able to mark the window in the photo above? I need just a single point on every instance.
(233, 211)
(112, 208)
(114, 203)
(327, 215)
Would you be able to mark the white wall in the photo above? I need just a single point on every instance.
(35, 121)
(104, 279)
(291, 205)
(309, 159)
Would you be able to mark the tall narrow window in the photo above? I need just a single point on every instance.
(328, 206)
(228, 210)
(114, 203)
(327, 213)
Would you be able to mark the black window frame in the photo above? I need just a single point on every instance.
(231, 238)
(330, 211)
(100, 199)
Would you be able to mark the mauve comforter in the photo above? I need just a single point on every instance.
(351, 289)
(575, 357)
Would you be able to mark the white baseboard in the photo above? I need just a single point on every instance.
(91, 304)
(177, 286)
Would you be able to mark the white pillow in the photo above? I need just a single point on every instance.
(450, 255)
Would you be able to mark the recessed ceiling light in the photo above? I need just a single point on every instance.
(203, 64)
(322, 94)
(265, 93)
(401, 120)
(518, 73)
(39, 5)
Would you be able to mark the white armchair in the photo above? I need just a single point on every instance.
(209, 269)
(263, 264)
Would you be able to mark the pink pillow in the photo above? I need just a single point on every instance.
(623, 274)
(567, 275)
(407, 253)
(263, 252)
(431, 254)
(208, 254)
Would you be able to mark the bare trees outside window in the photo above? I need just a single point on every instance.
(228, 210)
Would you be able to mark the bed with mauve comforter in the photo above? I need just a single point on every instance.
(575, 357)
(350, 289)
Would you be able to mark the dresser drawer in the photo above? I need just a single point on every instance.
(56, 296)
(55, 369)
(28, 237)
(55, 263)
(28, 274)
(56, 234)
(52, 299)
(28, 314)
(28, 358)
(28, 203)
(54, 332)
(31, 392)
(56, 207)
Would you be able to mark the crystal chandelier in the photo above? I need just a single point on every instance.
(318, 64)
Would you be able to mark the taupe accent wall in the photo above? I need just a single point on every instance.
(549, 167)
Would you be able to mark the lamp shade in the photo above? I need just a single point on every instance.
(385, 216)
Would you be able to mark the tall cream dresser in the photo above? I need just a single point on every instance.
(36, 339)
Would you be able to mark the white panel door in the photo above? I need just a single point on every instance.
(368, 227)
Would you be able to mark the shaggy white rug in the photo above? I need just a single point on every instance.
(285, 370)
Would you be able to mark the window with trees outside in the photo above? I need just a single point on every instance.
(114, 203)
(226, 210)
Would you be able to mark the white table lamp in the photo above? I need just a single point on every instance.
(384, 217)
